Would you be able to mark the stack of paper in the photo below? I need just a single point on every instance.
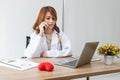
(18, 64)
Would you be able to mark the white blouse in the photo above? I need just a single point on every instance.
(39, 44)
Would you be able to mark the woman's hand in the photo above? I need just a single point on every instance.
(42, 27)
(44, 55)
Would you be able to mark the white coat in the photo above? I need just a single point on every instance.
(38, 44)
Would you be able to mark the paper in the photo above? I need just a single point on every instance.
(95, 59)
(18, 64)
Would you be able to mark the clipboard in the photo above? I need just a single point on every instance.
(18, 64)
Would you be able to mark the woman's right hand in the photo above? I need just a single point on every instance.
(42, 27)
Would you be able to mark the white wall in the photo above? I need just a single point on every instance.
(84, 20)
(92, 20)
(16, 20)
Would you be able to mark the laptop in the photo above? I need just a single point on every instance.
(85, 57)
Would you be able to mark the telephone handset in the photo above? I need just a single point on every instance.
(45, 27)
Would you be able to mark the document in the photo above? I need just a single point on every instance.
(18, 64)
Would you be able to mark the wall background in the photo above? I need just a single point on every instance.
(92, 20)
(84, 20)
(16, 20)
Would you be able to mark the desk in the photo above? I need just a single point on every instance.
(59, 73)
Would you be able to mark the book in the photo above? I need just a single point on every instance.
(18, 64)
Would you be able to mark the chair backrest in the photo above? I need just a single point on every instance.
(27, 40)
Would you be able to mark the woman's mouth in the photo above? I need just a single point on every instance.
(50, 25)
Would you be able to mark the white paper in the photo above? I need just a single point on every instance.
(18, 64)
(95, 59)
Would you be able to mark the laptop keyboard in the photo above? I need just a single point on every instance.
(70, 63)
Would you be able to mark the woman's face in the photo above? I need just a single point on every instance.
(50, 20)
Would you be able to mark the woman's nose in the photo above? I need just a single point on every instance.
(51, 20)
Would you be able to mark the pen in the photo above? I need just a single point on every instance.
(10, 64)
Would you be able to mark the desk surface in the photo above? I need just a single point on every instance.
(59, 73)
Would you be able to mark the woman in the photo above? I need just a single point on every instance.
(47, 40)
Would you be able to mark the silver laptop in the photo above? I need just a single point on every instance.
(85, 57)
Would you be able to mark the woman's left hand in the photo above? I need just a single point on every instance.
(44, 55)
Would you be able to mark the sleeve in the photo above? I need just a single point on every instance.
(66, 48)
(34, 47)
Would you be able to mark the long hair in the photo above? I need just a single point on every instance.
(41, 18)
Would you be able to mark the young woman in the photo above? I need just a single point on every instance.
(47, 40)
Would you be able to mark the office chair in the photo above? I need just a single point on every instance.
(27, 42)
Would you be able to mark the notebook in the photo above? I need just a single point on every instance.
(19, 64)
(85, 57)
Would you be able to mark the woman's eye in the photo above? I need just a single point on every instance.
(47, 18)
(53, 18)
